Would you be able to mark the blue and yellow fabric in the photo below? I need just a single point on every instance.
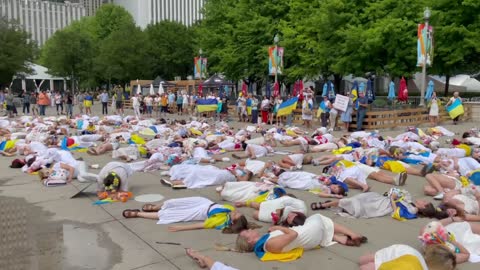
(402, 213)
(475, 177)
(249, 106)
(88, 102)
(455, 109)
(275, 193)
(219, 218)
(207, 105)
(389, 164)
(287, 106)
(70, 145)
(265, 256)
(8, 144)
(140, 142)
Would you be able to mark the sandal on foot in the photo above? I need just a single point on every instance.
(165, 182)
(130, 213)
(149, 207)
(191, 253)
(317, 206)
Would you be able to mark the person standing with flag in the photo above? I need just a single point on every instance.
(455, 107)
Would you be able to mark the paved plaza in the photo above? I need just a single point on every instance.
(44, 228)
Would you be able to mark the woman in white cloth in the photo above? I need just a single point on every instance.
(466, 238)
(213, 215)
(61, 172)
(433, 113)
(465, 199)
(435, 257)
(198, 176)
(276, 210)
(114, 176)
(243, 191)
(128, 153)
(254, 151)
(307, 111)
(317, 231)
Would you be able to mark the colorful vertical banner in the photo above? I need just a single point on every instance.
(424, 45)
(275, 60)
(200, 67)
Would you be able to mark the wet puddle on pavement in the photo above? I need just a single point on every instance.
(30, 240)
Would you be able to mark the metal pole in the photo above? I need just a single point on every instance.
(424, 66)
(276, 64)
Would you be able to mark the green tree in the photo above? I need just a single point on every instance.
(456, 27)
(235, 35)
(70, 52)
(16, 51)
(123, 55)
(171, 49)
(110, 18)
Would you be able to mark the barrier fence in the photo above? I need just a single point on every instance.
(384, 119)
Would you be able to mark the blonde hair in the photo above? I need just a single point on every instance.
(42, 174)
(307, 159)
(439, 257)
(242, 245)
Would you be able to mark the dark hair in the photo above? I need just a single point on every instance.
(31, 160)
(244, 145)
(466, 135)
(298, 220)
(109, 180)
(430, 211)
(249, 175)
(325, 169)
(237, 226)
(280, 172)
(17, 163)
(341, 191)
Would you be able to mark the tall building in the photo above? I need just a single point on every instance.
(41, 18)
(147, 12)
(92, 5)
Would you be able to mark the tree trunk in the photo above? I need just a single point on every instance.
(337, 80)
(447, 85)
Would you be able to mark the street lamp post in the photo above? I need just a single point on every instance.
(200, 52)
(426, 16)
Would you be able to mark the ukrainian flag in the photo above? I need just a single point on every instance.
(207, 105)
(287, 107)
(455, 109)
(72, 147)
(266, 256)
(249, 106)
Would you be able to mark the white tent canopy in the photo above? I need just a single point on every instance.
(38, 73)
(471, 84)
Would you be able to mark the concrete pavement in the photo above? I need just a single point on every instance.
(42, 228)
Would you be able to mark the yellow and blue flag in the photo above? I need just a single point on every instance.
(265, 256)
(287, 107)
(207, 105)
(455, 109)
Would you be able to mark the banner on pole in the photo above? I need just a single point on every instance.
(424, 45)
(275, 60)
(200, 67)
